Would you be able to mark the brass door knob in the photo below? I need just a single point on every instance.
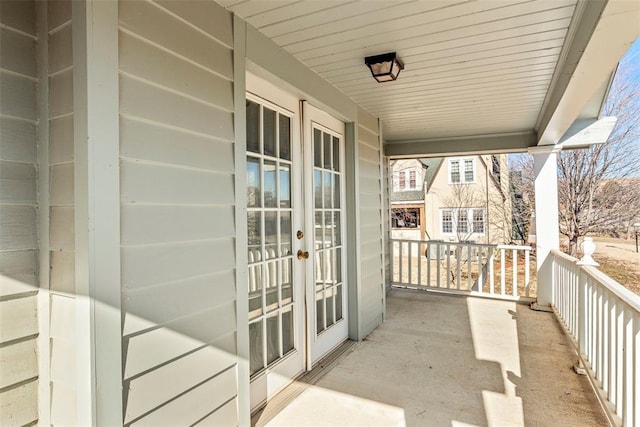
(303, 255)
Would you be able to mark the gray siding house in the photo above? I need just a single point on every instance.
(193, 194)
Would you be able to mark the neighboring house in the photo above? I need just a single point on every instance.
(410, 178)
(452, 199)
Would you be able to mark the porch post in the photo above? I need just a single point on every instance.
(546, 190)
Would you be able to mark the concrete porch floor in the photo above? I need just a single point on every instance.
(446, 361)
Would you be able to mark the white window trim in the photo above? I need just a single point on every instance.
(454, 216)
(461, 161)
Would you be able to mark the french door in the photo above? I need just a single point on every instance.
(295, 242)
(326, 294)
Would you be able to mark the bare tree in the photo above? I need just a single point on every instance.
(522, 194)
(585, 200)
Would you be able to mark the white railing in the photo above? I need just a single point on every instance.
(473, 268)
(603, 318)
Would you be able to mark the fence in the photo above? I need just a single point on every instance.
(478, 269)
(603, 318)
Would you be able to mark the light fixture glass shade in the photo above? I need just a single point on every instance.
(385, 67)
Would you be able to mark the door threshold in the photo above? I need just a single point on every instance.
(283, 398)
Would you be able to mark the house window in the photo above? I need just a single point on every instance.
(405, 218)
(461, 171)
(447, 221)
(406, 180)
(478, 221)
(462, 221)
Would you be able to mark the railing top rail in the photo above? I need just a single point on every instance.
(564, 256)
(624, 294)
(444, 242)
(516, 247)
(628, 297)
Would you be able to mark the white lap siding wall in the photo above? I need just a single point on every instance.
(18, 214)
(371, 304)
(177, 213)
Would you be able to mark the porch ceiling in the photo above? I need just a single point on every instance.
(471, 67)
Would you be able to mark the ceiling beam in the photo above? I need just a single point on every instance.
(479, 144)
(600, 34)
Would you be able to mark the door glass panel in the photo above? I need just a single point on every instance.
(317, 148)
(338, 302)
(285, 233)
(287, 330)
(336, 154)
(273, 339)
(327, 190)
(329, 307)
(272, 286)
(331, 268)
(320, 268)
(270, 240)
(328, 229)
(317, 188)
(271, 234)
(253, 182)
(286, 287)
(319, 230)
(270, 196)
(338, 265)
(284, 131)
(285, 186)
(336, 191)
(256, 358)
(253, 127)
(255, 291)
(328, 193)
(336, 229)
(254, 231)
(319, 312)
(327, 151)
(269, 133)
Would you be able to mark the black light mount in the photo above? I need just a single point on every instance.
(385, 67)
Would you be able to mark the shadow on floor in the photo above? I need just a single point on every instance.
(447, 361)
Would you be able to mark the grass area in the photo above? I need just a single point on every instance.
(620, 272)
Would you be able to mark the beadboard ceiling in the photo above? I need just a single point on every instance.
(471, 67)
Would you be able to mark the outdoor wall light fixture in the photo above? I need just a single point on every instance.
(385, 67)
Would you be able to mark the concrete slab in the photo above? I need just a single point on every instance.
(448, 361)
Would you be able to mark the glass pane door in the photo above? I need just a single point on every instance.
(326, 289)
(270, 239)
(327, 226)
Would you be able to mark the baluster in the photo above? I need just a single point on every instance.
(502, 271)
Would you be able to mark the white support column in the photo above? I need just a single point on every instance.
(97, 212)
(546, 190)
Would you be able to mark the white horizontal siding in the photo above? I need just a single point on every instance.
(177, 212)
(62, 306)
(18, 215)
(371, 238)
